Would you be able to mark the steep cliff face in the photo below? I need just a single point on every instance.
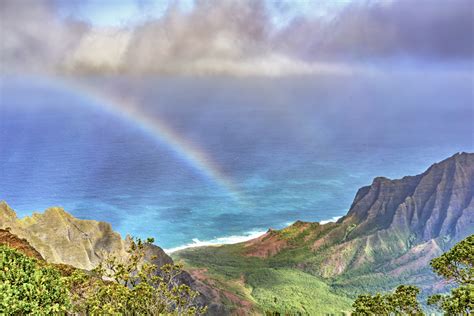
(437, 203)
(390, 223)
(61, 238)
(390, 217)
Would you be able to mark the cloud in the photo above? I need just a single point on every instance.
(425, 29)
(34, 38)
(235, 38)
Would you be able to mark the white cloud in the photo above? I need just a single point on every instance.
(100, 49)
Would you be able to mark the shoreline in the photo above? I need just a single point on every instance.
(233, 239)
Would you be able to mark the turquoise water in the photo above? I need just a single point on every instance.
(295, 149)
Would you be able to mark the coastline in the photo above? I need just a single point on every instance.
(233, 239)
(226, 240)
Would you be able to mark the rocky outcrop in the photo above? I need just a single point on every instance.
(393, 218)
(436, 203)
(69, 243)
(61, 238)
(395, 226)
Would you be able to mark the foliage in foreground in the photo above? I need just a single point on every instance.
(27, 287)
(456, 266)
(402, 302)
(128, 286)
(133, 287)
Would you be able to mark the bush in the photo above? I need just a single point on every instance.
(130, 286)
(118, 286)
(30, 287)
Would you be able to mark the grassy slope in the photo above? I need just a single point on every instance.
(291, 280)
(291, 291)
(269, 285)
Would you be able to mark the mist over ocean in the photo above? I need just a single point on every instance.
(295, 148)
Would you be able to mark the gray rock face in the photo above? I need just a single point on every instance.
(435, 204)
(415, 218)
(61, 238)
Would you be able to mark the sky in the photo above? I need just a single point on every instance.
(232, 38)
(118, 13)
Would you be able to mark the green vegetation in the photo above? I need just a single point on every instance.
(299, 267)
(275, 285)
(402, 302)
(28, 287)
(118, 286)
(267, 283)
(456, 265)
(292, 291)
(349, 230)
(131, 286)
(288, 282)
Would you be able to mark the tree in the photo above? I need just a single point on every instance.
(458, 263)
(131, 286)
(30, 287)
(456, 266)
(402, 302)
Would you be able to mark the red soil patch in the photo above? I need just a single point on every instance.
(265, 246)
(22, 245)
(212, 290)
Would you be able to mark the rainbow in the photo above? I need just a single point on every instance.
(128, 110)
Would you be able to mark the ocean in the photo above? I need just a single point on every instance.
(194, 161)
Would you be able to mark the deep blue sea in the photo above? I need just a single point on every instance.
(296, 149)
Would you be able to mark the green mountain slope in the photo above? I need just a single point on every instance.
(392, 230)
(252, 285)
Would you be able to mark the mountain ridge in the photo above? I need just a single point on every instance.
(450, 173)
(61, 238)
(401, 206)
(390, 233)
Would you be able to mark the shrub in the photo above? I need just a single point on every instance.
(130, 286)
(30, 287)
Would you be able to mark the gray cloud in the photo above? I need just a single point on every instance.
(33, 38)
(424, 29)
(236, 38)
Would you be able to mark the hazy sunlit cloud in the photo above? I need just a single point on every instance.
(241, 38)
